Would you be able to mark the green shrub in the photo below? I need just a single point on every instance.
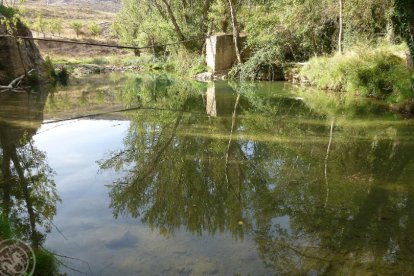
(34, 77)
(59, 75)
(76, 27)
(185, 62)
(55, 26)
(62, 76)
(49, 68)
(6, 231)
(378, 73)
(132, 61)
(40, 25)
(199, 66)
(95, 29)
(251, 68)
(46, 263)
(8, 12)
(99, 61)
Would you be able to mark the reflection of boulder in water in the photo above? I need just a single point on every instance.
(28, 193)
(21, 115)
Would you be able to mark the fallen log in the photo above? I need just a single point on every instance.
(15, 83)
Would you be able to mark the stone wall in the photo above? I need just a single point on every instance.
(220, 52)
(14, 63)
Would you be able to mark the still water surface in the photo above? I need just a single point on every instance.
(209, 179)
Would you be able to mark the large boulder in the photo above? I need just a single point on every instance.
(18, 56)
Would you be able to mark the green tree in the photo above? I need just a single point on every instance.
(76, 27)
(404, 13)
(95, 29)
(158, 21)
(55, 26)
(40, 24)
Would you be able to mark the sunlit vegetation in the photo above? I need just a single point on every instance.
(378, 73)
(76, 26)
(355, 38)
(94, 29)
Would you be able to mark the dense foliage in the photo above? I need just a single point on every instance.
(277, 31)
(156, 22)
(289, 29)
(369, 72)
(7, 12)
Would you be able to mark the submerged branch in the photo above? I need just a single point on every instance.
(74, 259)
(15, 83)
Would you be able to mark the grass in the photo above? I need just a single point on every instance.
(379, 72)
(179, 62)
(146, 62)
(185, 63)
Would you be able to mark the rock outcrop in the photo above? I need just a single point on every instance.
(18, 57)
(208, 76)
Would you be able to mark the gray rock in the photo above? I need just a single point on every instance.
(208, 76)
(19, 57)
(204, 77)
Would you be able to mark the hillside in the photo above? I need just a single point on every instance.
(67, 12)
(111, 6)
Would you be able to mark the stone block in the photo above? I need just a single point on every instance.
(220, 52)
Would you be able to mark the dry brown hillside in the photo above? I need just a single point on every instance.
(111, 6)
(84, 12)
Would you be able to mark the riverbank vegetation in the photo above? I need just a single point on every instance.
(360, 47)
(363, 46)
(378, 73)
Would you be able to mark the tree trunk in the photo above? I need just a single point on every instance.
(204, 21)
(7, 175)
(160, 10)
(390, 33)
(340, 27)
(27, 197)
(410, 62)
(404, 13)
(235, 30)
(185, 7)
(173, 20)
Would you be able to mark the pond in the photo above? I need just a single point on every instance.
(149, 174)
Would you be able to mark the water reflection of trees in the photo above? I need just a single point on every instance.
(366, 223)
(274, 188)
(28, 192)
